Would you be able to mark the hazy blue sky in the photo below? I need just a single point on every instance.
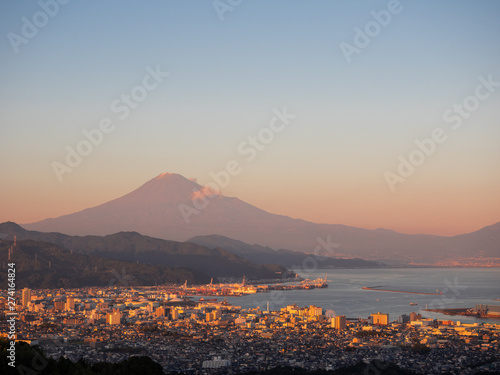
(353, 120)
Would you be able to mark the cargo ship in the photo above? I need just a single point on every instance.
(487, 311)
(480, 311)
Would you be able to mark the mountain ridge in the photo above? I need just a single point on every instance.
(133, 246)
(291, 259)
(155, 209)
(43, 265)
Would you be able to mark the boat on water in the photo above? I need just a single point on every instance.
(208, 299)
(413, 303)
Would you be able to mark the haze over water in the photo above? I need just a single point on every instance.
(344, 295)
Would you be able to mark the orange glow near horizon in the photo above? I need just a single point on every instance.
(418, 211)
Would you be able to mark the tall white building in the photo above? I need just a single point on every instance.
(114, 317)
(26, 297)
(339, 322)
(70, 303)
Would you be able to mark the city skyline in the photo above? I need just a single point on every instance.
(169, 321)
(371, 86)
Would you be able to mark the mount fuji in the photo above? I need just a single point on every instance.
(173, 207)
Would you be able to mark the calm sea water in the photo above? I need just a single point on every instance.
(461, 287)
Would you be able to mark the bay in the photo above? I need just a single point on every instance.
(461, 287)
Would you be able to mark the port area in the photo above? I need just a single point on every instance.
(379, 289)
(242, 289)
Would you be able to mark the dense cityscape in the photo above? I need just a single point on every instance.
(198, 335)
(232, 187)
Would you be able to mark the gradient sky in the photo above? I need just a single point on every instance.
(226, 77)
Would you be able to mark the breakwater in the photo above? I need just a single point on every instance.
(379, 289)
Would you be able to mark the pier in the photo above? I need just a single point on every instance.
(242, 289)
(305, 284)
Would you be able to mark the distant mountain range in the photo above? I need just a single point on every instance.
(291, 259)
(45, 265)
(133, 247)
(176, 208)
